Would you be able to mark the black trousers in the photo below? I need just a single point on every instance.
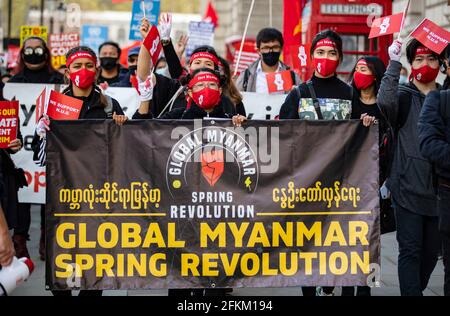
(444, 230)
(419, 243)
(23, 220)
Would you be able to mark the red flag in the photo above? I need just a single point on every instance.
(153, 44)
(63, 107)
(279, 81)
(211, 15)
(292, 27)
(40, 104)
(386, 25)
(432, 36)
(9, 121)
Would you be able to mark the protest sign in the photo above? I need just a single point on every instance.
(9, 122)
(59, 45)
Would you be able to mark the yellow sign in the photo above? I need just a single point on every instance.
(32, 31)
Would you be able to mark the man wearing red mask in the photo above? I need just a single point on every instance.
(324, 96)
(410, 180)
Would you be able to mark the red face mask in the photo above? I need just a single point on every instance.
(206, 98)
(425, 74)
(83, 78)
(363, 81)
(325, 66)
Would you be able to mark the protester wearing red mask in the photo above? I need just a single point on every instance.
(411, 176)
(168, 94)
(323, 97)
(82, 71)
(309, 100)
(365, 80)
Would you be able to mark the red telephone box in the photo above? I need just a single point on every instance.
(351, 19)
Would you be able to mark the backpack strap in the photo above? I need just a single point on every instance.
(316, 103)
(245, 82)
(109, 108)
(293, 77)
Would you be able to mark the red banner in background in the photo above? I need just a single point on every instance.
(292, 27)
(432, 36)
(9, 121)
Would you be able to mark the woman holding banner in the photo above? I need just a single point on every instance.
(82, 72)
(366, 78)
(168, 94)
(312, 100)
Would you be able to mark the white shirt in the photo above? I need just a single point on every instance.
(261, 81)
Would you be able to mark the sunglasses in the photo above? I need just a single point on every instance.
(30, 51)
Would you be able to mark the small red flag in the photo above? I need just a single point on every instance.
(63, 107)
(211, 15)
(432, 36)
(153, 44)
(279, 81)
(386, 25)
(40, 104)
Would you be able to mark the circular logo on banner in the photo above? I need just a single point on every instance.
(212, 158)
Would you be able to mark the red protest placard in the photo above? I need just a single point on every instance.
(9, 121)
(63, 107)
(279, 81)
(40, 104)
(60, 44)
(432, 36)
(386, 25)
(153, 44)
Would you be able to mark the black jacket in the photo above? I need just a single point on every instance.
(411, 176)
(40, 76)
(329, 88)
(434, 134)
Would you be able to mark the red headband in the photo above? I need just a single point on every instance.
(207, 55)
(362, 62)
(422, 50)
(325, 42)
(202, 77)
(77, 55)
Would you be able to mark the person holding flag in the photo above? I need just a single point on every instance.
(410, 179)
(82, 72)
(323, 97)
(168, 94)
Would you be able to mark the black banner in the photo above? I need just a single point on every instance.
(200, 204)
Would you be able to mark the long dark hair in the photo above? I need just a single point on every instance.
(48, 60)
(88, 50)
(229, 87)
(375, 65)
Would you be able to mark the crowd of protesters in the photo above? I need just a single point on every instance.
(414, 133)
